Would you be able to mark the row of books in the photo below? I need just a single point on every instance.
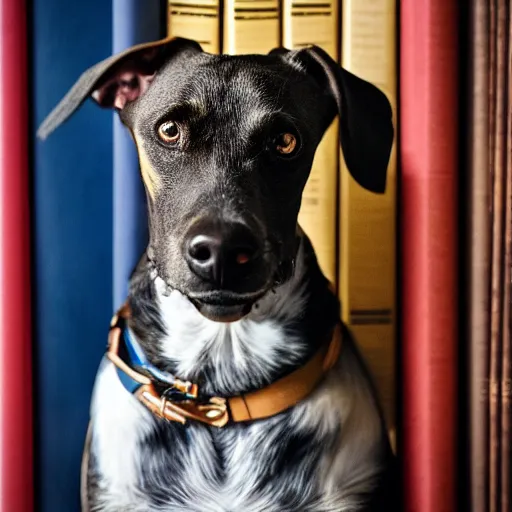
(454, 134)
(487, 325)
(352, 230)
(456, 254)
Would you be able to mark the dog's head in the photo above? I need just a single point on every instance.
(226, 144)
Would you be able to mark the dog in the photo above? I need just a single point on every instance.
(230, 382)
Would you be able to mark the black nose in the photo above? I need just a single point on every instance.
(221, 253)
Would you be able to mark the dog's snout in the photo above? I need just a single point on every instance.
(221, 252)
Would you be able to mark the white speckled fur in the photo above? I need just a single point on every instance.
(118, 423)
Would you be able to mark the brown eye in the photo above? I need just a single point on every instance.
(169, 132)
(286, 143)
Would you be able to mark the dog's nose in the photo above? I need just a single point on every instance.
(221, 252)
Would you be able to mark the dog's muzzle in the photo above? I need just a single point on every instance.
(228, 266)
(223, 254)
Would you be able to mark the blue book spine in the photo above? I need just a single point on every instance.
(72, 242)
(133, 22)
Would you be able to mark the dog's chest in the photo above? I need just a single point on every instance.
(144, 464)
(257, 468)
(294, 461)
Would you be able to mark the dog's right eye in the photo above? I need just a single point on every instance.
(169, 132)
(285, 143)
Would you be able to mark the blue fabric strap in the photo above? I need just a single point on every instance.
(131, 385)
(139, 360)
(135, 358)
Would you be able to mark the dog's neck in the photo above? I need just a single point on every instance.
(280, 333)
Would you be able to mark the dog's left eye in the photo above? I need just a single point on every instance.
(169, 132)
(285, 143)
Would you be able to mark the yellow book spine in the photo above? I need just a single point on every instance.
(250, 26)
(368, 221)
(304, 23)
(198, 20)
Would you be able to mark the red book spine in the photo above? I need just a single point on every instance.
(428, 117)
(16, 478)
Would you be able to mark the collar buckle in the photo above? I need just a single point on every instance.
(213, 413)
(187, 388)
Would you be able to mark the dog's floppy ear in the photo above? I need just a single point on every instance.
(366, 124)
(117, 80)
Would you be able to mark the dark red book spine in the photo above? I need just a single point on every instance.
(16, 478)
(478, 254)
(498, 108)
(429, 146)
(506, 376)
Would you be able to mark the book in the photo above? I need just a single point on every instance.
(506, 360)
(16, 400)
(498, 107)
(478, 255)
(133, 22)
(198, 20)
(304, 23)
(499, 442)
(71, 242)
(367, 268)
(506, 369)
(429, 204)
(250, 26)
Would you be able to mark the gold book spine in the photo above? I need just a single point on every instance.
(250, 26)
(368, 221)
(198, 20)
(305, 23)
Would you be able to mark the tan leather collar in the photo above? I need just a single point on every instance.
(263, 403)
